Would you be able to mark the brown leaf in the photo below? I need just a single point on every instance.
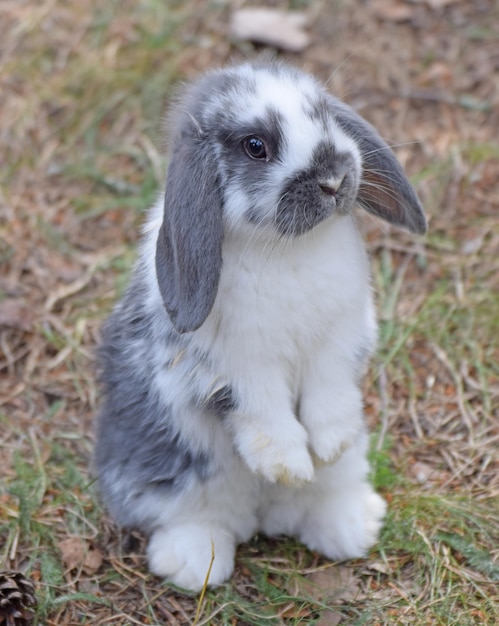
(15, 313)
(281, 29)
(438, 73)
(72, 552)
(441, 4)
(93, 560)
(376, 566)
(77, 553)
(329, 618)
(336, 583)
(420, 471)
(392, 11)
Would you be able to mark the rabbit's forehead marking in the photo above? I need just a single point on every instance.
(305, 118)
(300, 133)
(287, 103)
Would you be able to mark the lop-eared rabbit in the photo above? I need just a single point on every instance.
(231, 368)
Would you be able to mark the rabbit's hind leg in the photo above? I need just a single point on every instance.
(338, 514)
(183, 554)
(202, 524)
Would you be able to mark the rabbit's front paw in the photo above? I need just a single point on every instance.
(182, 555)
(326, 446)
(280, 455)
(332, 423)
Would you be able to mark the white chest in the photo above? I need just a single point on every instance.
(283, 297)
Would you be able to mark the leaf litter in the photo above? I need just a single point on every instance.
(82, 90)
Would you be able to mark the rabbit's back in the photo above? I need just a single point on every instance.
(156, 428)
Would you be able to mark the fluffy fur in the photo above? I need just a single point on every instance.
(231, 368)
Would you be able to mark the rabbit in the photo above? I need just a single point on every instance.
(231, 368)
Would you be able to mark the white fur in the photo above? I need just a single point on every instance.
(209, 518)
(263, 340)
(338, 514)
(272, 347)
(290, 322)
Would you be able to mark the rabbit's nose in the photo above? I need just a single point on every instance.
(330, 186)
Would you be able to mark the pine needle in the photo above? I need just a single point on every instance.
(205, 586)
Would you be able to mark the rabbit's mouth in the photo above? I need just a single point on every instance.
(295, 216)
(312, 196)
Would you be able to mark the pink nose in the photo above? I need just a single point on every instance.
(330, 186)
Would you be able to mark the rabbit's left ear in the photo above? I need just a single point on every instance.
(189, 245)
(384, 188)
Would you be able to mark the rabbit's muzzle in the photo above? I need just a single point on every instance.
(328, 187)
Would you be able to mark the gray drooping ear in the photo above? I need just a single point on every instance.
(189, 245)
(384, 189)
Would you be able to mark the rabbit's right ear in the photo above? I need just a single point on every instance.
(189, 245)
(384, 188)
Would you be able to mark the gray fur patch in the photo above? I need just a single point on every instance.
(240, 170)
(319, 110)
(137, 449)
(384, 189)
(222, 401)
(304, 204)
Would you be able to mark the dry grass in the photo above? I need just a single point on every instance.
(82, 87)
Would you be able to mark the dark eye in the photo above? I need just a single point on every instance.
(255, 147)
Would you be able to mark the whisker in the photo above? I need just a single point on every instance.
(390, 146)
(387, 191)
(347, 59)
(381, 175)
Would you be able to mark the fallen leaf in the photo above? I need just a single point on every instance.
(15, 313)
(72, 552)
(420, 471)
(77, 553)
(437, 73)
(441, 4)
(375, 566)
(273, 27)
(329, 618)
(333, 584)
(93, 560)
(392, 11)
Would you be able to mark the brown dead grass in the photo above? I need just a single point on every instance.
(82, 87)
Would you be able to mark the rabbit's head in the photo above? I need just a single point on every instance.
(266, 148)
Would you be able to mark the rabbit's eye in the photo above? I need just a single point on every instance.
(255, 148)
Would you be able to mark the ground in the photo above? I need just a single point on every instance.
(83, 88)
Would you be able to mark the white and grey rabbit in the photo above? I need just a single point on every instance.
(231, 367)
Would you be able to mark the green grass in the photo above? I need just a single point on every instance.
(434, 545)
(86, 85)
